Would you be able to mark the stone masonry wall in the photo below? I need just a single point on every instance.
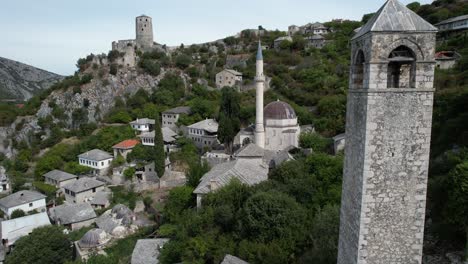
(352, 184)
(395, 176)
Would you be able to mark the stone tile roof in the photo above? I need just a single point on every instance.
(168, 135)
(233, 72)
(229, 259)
(59, 175)
(72, 213)
(142, 121)
(209, 125)
(21, 197)
(83, 184)
(250, 151)
(179, 110)
(288, 38)
(453, 19)
(147, 250)
(248, 171)
(126, 144)
(96, 155)
(339, 137)
(16, 228)
(93, 238)
(101, 198)
(394, 16)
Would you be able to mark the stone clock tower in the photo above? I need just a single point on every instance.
(388, 132)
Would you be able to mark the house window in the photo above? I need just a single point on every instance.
(30, 204)
(102, 163)
(94, 190)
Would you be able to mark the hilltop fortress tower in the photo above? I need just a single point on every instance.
(388, 132)
(144, 32)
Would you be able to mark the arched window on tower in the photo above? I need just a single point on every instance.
(401, 68)
(358, 70)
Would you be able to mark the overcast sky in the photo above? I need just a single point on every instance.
(53, 34)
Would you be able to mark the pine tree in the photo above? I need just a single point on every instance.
(228, 119)
(159, 155)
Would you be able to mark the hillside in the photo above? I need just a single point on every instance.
(19, 81)
(93, 107)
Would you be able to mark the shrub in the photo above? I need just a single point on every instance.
(113, 69)
(17, 213)
(314, 141)
(128, 173)
(150, 66)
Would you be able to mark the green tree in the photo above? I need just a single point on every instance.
(17, 213)
(229, 123)
(129, 172)
(179, 198)
(183, 61)
(196, 171)
(45, 245)
(457, 209)
(272, 215)
(159, 154)
(314, 141)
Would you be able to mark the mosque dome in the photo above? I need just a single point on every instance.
(279, 110)
(93, 238)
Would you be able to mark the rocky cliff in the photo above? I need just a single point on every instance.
(19, 81)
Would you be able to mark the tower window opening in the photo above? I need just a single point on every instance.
(358, 70)
(401, 68)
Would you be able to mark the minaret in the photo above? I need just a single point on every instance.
(260, 83)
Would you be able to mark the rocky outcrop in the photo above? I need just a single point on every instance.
(19, 81)
(98, 96)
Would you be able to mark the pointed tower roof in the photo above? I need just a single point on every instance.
(394, 16)
(259, 51)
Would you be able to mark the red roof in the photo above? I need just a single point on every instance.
(127, 144)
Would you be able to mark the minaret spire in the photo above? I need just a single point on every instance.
(260, 84)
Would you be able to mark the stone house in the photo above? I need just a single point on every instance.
(454, 23)
(293, 29)
(316, 28)
(142, 124)
(248, 169)
(229, 78)
(14, 229)
(169, 138)
(59, 178)
(101, 200)
(339, 142)
(98, 160)
(73, 216)
(446, 59)
(124, 147)
(277, 42)
(26, 201)
(82, 190)
(171, 116)
(204, 133)
(316, 41)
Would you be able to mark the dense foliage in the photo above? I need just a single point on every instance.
(45, 245)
